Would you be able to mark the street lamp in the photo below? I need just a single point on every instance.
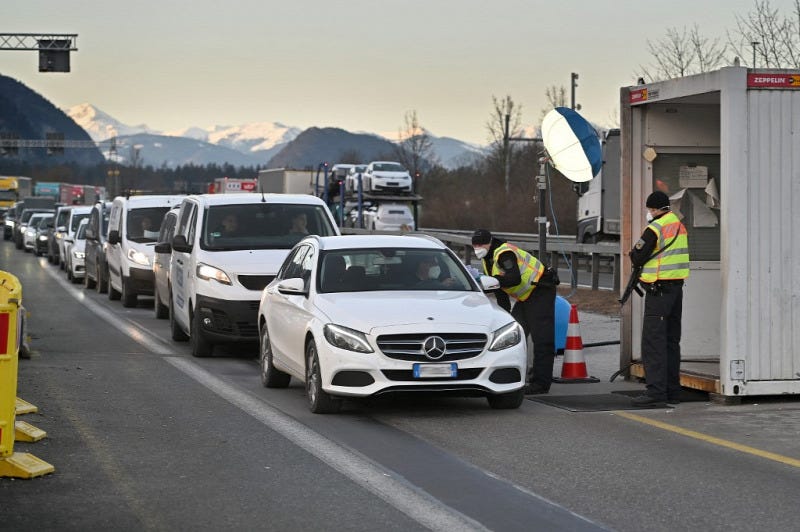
(755, 45)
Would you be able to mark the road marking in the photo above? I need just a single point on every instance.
(143, 337)
(402, 495)
(711, 439)
(413, 502)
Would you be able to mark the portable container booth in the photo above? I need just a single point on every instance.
(725, 146)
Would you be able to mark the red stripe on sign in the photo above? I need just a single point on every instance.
(4, 320)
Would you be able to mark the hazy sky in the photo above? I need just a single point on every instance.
(356, 64)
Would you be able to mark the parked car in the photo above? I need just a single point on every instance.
(386, 177)
(8, 222)
(132, 233)
(56, 233)
(95, 260)
(363, 315)
(351, 181)
(21, 223)
(36, 227)
(74, 264)
(76, 215)
(338, 174)
(161, 262)
(389, 217)
(226, 249)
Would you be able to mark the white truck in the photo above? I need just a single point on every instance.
(285, 181)
(598, 204)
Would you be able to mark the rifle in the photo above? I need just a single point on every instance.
(633, 285)
(633, 282)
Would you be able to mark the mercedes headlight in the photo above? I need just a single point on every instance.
(345, 338)
(506, 336)
(206, 272)
(42, 238)
(78, 254)
(138, 257)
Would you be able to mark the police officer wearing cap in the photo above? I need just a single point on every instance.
(524, 279)
(663, 254)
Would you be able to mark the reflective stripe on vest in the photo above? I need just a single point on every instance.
(673, 262)
(530, 271)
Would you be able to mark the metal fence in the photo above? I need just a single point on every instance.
(603, 257)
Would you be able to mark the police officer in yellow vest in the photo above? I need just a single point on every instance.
(524, 279)
(663, 253)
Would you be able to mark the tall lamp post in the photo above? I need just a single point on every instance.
(755, 46)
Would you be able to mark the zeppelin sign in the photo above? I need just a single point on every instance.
(774, 81)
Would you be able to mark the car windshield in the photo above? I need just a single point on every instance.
(389, 167)
(76, 221)
(390, 269)
(262, 226)
(143, 223)
(43, 221)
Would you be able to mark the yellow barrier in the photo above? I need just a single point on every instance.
(20, 465)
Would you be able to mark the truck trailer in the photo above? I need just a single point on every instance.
(598, 204)
(13, 188)
(285, 181)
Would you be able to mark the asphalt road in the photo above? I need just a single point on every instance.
(143, 436)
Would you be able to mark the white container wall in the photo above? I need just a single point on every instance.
(726, 146)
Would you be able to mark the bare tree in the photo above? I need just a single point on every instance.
(414, 146)
(681, 53)
(772, 37)
(496, 125)
(556, 97)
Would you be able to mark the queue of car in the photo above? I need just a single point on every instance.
(349, 316)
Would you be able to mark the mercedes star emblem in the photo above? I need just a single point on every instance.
(434, 347)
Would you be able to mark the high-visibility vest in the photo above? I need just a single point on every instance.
(530, 270)
(673, 262)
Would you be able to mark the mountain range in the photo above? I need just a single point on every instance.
(265, 144)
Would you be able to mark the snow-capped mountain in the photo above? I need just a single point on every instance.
(100, 125)
(246, 138)
(258, 142)
(253, 137)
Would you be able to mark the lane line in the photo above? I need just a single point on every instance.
(414, 503)
(139, 335)
(400, 494)
(711, 439)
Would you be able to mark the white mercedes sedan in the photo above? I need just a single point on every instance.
(363, 315)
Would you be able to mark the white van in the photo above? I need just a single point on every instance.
(226, 249)
(132, 233)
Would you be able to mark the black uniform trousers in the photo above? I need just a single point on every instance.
(536, 315)
(661, 340)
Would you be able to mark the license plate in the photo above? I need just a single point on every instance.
(435, 370)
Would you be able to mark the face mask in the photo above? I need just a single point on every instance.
(649, 217)
(481, 252)
(434, 272)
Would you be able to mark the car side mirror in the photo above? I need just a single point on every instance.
(61, 229)
(489, 283)
(294, 286)
(113, 237)
(180, 244)
(163, 247)
(89, 234)
(68, 239)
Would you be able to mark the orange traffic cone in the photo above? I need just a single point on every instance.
(574, 366)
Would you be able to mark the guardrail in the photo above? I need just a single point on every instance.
(594, 257)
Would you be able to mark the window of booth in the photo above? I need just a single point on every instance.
(693, 185)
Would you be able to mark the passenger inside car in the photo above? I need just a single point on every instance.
(429, 275)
